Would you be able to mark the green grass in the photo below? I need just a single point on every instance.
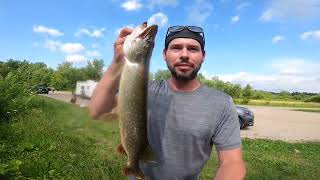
(278, 103)
(308, 110)
(60, 141)
(267, 159)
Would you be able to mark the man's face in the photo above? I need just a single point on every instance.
(184, 58)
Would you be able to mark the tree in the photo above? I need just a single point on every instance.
(66, 77)
(93, 70)
(200, 77)
(162, 75)
(247, 93)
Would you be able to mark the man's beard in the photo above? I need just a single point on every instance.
(184, 76)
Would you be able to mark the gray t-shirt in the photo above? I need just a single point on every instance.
(182, 127)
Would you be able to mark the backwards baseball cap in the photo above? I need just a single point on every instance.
(193, 32)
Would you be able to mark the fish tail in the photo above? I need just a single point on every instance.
(134, 171)
(148, 155)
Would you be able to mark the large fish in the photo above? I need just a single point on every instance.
(132, 100)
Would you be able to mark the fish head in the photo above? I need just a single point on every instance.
(139, 44)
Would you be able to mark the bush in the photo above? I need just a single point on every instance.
(314, 99)
(244, 101)
(15, 96)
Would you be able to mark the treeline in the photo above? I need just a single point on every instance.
(246, 93)
(18, 80)
(63, 78)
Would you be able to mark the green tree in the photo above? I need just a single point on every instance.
(162, 75)
(93, 70)
(247, 93)
(66, 77)
(201, 77)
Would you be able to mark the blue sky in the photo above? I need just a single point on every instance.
(273, 45)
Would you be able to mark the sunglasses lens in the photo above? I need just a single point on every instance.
(195, 29)
(174, 29)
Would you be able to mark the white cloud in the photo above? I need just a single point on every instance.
(235, 19)
(159, 19)
(243, 6)
(311, 35)
(93, 53)
(153, 3)
(52, 45)
(117, 32)
(288, 74)
(94, 46)
(277, 39)
(283, 10)
(131, 5)
(267, 15)
(71, 48)
(199, 12)
(46, 30)
(94, 33)
(75, 58)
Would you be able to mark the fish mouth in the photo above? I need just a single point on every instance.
(149, 32)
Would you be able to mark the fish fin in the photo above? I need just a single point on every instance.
(134, 171)
(108, 117)
(121, 150)
(148, 155)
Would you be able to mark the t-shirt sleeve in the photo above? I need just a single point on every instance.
(227, 134)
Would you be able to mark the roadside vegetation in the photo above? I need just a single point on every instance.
(249, 96)
(308, 110)
(278, 103)
(58, 140)
(66, 76)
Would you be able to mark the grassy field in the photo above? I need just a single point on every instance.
(275, 103)
(60, 141)
(308, 110)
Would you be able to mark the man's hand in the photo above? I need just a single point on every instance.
(118, 45)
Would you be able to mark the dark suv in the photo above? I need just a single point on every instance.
(246, 117)
(42, 89)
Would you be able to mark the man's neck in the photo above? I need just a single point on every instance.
(183, 86)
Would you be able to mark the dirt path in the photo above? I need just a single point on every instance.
(270, 122)
(66, 97)
(284, 124)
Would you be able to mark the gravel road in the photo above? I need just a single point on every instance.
(283, 124)
(270, 122)
(66, 97)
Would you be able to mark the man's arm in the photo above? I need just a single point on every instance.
(104, 96)
(231, 165)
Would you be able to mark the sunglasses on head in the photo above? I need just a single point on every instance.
(195, 29)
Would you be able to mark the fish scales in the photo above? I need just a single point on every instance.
(132, 99)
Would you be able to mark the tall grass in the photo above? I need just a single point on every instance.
(59, 141)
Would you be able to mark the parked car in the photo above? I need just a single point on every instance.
(42, 89)
(51, 89)
(246, 117)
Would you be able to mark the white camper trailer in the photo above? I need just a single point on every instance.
(85, 88)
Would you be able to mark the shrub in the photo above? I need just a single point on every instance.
(314, 99)
(15, 96)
